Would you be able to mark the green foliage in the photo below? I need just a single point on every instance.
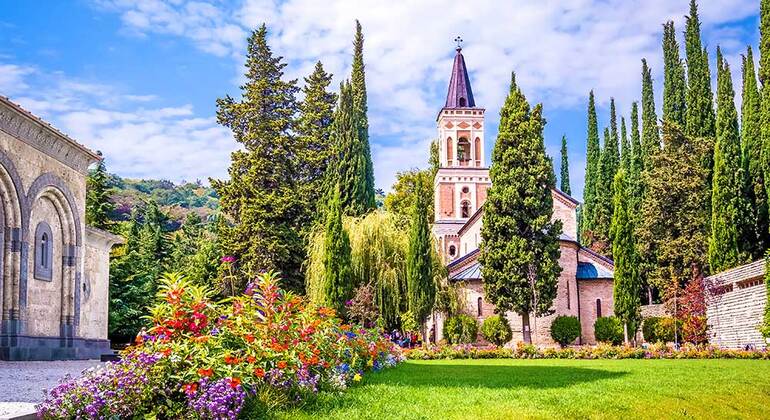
(658, 329)
(751, 142)
(421, 285)
(602, 214)
(409, 322)
(593, 154)
(608, 329)
(730, 212)
(565, 329)
(338, 282)
(266, 217)
(674, 85)
(636, 164)
(461, 329)
(360, 108)
(564, 175)
(627, 286)
(99, 207)
(650, 134)
(765, 327)
(672, 234)
(625, 147)
(520, 247)
(496, 330)
(700, 108)
(410, 185)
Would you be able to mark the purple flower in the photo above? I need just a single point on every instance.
(228, 259)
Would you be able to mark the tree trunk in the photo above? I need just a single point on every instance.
(625, 332)
(525, 328)
(649, 295)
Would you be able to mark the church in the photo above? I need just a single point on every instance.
(585, 286)
(54, 289)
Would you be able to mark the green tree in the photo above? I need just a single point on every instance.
(650, 133)
(520, 247)
(635, 171)
(625, 147)
(314, 130)
(764, 80)
(266, 216)
(674, 84)
(751, 142)
(700, 108)
(338, 283)
(99, 207)
(730, 216)
(411, 185)
(360, 109)
(593, 155)
(421, 288)
(602, 213)
(627, 285)
(564, 176)
(434, 160)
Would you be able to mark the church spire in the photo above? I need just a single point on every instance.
(460, 94)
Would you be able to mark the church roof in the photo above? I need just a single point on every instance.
(459, 94)
(587, 270)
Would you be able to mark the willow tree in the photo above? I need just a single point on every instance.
(520, 247)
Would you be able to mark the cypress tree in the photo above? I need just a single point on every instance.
(650, 133)
(674, 85)
(338, 286)
(764, 80)
(635, 172)
(265, 214)
(728, 203)
(627, 287)
(625, 148)
(764, 42)
(314, 129)
(751, 142)
(421, 288)
(593, 154)
(614, 140)
(700, 107)
(98, 204)
(520, 246)
(603, 211)
(565, 187)
(360, 107)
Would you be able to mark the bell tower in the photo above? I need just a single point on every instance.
(462, 180)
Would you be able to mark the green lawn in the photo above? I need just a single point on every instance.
(506, 389)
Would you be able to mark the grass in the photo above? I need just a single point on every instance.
(506, 389)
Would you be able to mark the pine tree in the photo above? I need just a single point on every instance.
(627, 285)
(728, 203)
(625, 147)
(421, 289)
(650, 133)
(314, 129)
(360, 107)
(593, 154)
(338, 282)
(564, 176)
(265, 216)
(98, 204)
(674, 85)
(700, 108)
(751, 142)
(520, 247)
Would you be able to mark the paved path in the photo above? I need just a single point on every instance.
(25, 381)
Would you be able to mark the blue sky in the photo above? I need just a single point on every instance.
(139, 79)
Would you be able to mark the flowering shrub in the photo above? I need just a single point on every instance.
(496, 330)
(203, 359)
(602, 351)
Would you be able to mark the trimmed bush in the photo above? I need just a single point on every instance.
(658, 329)
(608, 329)
(461, 329)
(565, 330)
(496, 330)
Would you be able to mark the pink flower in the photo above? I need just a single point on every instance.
(228, 259)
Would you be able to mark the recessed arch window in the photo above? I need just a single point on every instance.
(598, 308)
(462, 102)
(452, 250)
(463, 151)
(479, 311)
(43, 252)
(465, 209)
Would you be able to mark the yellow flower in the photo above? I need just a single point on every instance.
(370, 363)
(357, 377)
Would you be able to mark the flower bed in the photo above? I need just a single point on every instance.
(522, 351)
(201, 359)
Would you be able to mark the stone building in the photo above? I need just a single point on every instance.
(461, 183)
(55, 269)
(735, 306)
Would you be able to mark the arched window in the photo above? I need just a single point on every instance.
(465, 209)
(43, 269)
(463, 151)
(598, 308)
(478, 306)
(568, 296)
(477, 150)
(462, 102)
(452, 250)
(449, 152)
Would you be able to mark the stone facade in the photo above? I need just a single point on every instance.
(54, 304)
(735, 305)
(586, 278)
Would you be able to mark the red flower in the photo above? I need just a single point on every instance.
(230, 360)
(205, 372)
(234, 382)
(251, 359)
(259, 372)
(281, 365)
(190, 388)
(249, 338)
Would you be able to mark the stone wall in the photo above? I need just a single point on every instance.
(590, 291)
(736, 301)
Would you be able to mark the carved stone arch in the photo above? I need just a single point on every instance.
(54, 187)
(12, 220)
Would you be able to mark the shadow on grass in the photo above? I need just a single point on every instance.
(490, 376)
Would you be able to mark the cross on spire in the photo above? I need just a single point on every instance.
(459, 42)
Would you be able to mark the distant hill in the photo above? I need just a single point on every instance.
(176, 200)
